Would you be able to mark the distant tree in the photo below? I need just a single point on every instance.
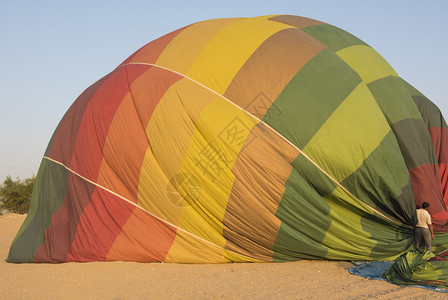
(15, 195)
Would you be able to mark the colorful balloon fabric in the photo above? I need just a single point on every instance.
(274, 138)
(418, 268)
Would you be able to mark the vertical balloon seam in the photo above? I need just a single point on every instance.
(137, 206)
(267, 125)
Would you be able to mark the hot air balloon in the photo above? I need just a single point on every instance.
(273, 138)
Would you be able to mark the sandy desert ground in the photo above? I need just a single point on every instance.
(125, 280)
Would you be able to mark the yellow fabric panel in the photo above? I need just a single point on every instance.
(266, 17)
(194, 97)
(153, 191)
(223, 56)
(221, 131)
(189, 249)
(235, 257)
(366, 62)
(183, 50)
(169, 138)
(346, 230)
(349, 135)
(177, 147)
(169, 131)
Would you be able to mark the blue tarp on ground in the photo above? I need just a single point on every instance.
(371, 270)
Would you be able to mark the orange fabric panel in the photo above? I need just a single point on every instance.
(143, 239)
(148, 89)
(151, 51)
(261, 170)
(120, 168)
(181, 53)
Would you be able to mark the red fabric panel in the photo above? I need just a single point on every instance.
(442, 256)
(64, 140)
(88, 153)
(151, 51)
(444, 179)
(97, 118)
(145, 100)
(427, 188)
(98, 226)
(94, 120)
(439, 136)
(439, 257)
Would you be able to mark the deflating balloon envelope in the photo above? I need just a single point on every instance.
(274, 138)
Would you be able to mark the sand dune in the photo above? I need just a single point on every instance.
(125, 280)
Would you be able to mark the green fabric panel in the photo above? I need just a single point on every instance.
(393, 97)
(421, 102)
(430, 112)
(345, 238)
(414, 268)
(314, 177)
(415, 142)
(48, 196)
(349, 135)
(383, 180)
(391, 239)
(355, 233)
(440, 243)
(412, 90)
(311, 97)
(333, 37)
(34, 200)
(302, 212)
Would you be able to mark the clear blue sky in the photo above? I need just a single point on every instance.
(52, 50)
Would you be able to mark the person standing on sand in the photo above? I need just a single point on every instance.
(424, 228)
